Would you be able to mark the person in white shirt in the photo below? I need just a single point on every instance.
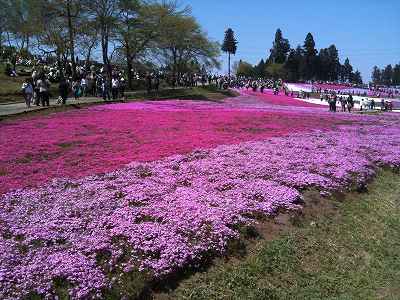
(44, 86)
(84, 86)
(27, 91)
(115, 88)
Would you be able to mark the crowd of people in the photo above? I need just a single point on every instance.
(347, 102)
(94, 81)
(357, 90)
(36, 89)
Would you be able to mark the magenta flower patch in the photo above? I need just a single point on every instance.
(156, 187)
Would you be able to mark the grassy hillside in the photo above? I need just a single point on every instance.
(350, 251)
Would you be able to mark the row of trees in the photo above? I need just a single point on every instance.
(387, 76)
(302, 63)
(131, 33)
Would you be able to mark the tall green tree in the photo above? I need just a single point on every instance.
(293, 64)
(376, 75)
(71, 15)
(244, 69)
(357, 78)
(396, 75)
(182, 44)
(259, 70)
(229, 46)
(347, 70)
(105, 14)
(276, 71)
(387, 75)
(323, 68)
(139, 26)
(280, 49)
(3, 19)
(328, 67)
(53, 38)
(309, 66)
(334, 63)
(19, 22)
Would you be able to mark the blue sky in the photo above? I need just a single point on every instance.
(368, 32)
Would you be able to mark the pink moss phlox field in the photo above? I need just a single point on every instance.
(164, 210)
(344, 88)
(160, 216)
(104, 138)
(280, 100)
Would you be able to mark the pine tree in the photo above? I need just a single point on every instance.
(356, 77)
(229, 46)
(396, 75)
(259, 70)
(347, 70)
(387, 75)
(280, 49)
(334, 64)
(310, 58)
(292, 64)
(376, 75)
(323, 66)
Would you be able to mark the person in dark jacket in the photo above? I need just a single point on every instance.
(148, 83)
(63, 89)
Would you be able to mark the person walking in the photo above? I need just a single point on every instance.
(27, 91)
(148, 83)
(36, 93)
(44, 86)
(343, 104)
(76, 88)
(372, 104)
(114, 87)
(63, 89)
(334, 102)
(105, 89)
(350, 103)
(156, 83)
(122, 86)
(84, 86)
(383, 105)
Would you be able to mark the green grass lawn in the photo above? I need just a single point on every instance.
(10, 91)
(10, 87)
(350, 250)
(206, 93)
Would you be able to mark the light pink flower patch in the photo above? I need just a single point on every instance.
(165, 214)
(104, 138)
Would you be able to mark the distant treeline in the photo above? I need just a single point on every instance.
(389, 76)
(302, 63)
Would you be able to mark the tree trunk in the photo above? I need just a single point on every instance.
(229, 64)
(129, 72)
(71, 39)
(27, 44)
(1, 40)
(104, 48)
(88, 55)
(59, 63)
(174, 69)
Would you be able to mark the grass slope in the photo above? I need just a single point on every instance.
(206, 93)
(351, 252)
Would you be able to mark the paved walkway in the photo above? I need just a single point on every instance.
(19, 108)
(9, 109)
